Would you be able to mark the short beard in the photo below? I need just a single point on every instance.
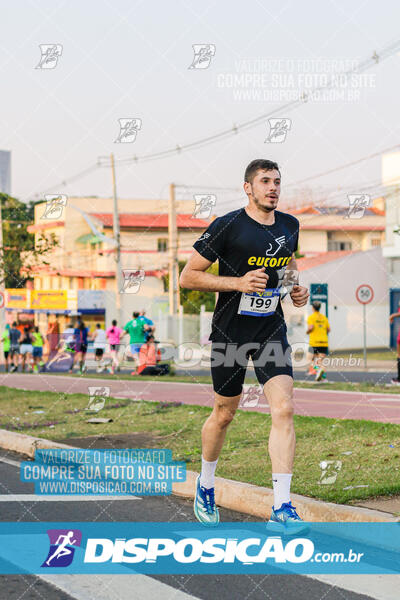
(266, 209)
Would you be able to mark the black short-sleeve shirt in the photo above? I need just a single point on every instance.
(241, 244)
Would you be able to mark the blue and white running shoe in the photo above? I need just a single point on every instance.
(204, 505)
(285, 520)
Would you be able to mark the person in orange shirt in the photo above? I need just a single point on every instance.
(148, 357)
(53, 332)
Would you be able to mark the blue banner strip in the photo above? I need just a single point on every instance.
(189, 548)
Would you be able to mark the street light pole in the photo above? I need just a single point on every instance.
(117, 237)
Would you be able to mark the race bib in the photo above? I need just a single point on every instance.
(255, 304)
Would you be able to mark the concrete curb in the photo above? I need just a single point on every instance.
(235, 495)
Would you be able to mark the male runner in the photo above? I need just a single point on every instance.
(15, 336)
(5, 338)
(136, 328)
(254, 246)
(318, 328)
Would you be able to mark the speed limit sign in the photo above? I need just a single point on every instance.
(364, 293)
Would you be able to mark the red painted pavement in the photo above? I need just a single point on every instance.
(384, 408)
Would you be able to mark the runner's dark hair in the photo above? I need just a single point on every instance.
(259, 164)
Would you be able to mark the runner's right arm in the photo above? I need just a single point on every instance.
(194, 277)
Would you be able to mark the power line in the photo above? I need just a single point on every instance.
(71, 179)
(366, 64)
(345, 166)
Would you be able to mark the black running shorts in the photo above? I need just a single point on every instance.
(229, 363)
(319, 350)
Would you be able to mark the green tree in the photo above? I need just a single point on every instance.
(192, 300)
(19, 255)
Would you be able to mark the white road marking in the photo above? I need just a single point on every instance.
(346, 392)
(390, 399)
(55, 498)
(9, 461)
(121, 587)
(379, 587)
(62, 498)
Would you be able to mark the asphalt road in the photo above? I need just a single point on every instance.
(170, 587)
(340, 375)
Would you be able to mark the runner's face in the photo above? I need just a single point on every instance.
(265, 190)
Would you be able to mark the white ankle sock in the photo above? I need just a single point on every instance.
(281, 483)
(207, 473)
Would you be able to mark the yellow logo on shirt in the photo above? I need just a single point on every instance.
(268, 261)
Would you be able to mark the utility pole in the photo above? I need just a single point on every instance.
(117, 237)
(173, 254)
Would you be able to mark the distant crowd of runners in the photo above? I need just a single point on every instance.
(67, 350)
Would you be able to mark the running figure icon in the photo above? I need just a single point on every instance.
(62, 549)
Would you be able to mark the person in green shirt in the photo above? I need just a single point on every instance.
(37, 345)
(136, 328)
(5, 338)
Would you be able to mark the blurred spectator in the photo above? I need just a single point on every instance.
(52, 335)
(5, 338)
(150, 325)
(148, 359)
(113, 335)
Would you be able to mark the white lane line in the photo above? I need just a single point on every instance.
(55, 498)
(123, 587)
(61, 498)
(9, 461)
(317, 391)
(380, 399)
(379, 587)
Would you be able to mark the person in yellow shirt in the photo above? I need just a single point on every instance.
(318, 328)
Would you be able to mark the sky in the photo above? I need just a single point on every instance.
(130, 60)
